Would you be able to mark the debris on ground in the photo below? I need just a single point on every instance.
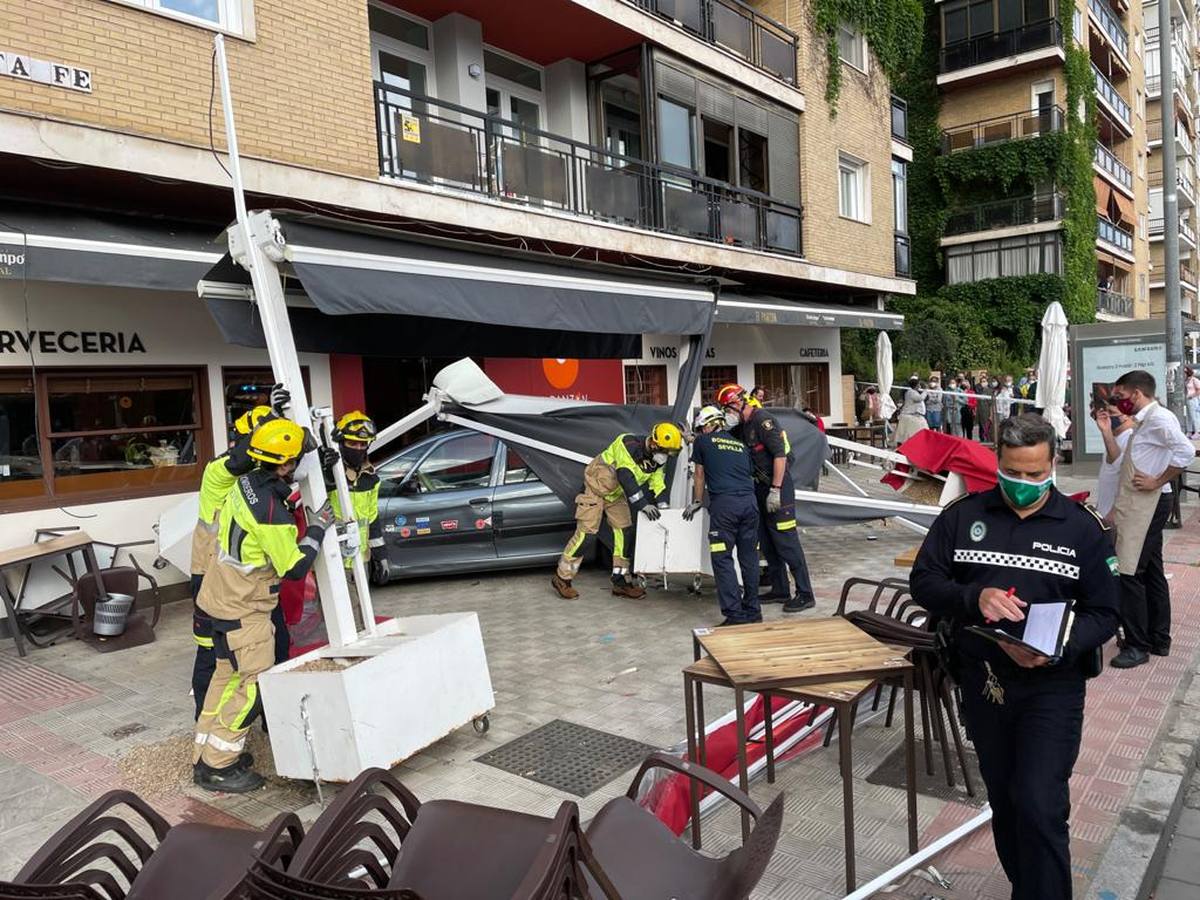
(166, 766)
(329, 665)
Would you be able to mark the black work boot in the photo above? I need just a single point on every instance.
(234, 779)
(799, 604)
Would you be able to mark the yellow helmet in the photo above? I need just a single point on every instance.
(667, 436)
(248, 421)
(278, 441)
(355, 426)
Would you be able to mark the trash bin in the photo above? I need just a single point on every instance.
(110, 616)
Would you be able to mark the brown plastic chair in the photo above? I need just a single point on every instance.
(118, 848)
(646, 861)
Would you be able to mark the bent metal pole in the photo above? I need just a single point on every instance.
(246, 246)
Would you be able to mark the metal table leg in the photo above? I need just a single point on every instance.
(910, 760)
(846, 764)
(769, 726)
(739, 699)
(10, 610)
(693, 785)
(89, 556)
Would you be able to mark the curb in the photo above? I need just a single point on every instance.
(1131, 865)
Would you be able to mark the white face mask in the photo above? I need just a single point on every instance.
(660, 458)
(732, 419)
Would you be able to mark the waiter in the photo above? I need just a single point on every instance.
(1158, 451)
(987, 557)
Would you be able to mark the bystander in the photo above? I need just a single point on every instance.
(935, 404)
(1116, 439)
(912, 412)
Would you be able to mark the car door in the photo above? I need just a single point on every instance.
(438, 507)
(531, 523)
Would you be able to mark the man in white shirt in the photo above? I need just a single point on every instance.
(1116, 432)
(1158, 451)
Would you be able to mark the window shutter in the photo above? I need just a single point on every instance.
(783, 151)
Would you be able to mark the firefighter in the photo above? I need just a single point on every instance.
(771, 453)
(215, 484)
(353, 434)
(256, 546)
(722, 465)
(627, 478)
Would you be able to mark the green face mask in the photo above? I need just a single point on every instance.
(1021, 493)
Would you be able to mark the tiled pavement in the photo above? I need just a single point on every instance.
(67, 714)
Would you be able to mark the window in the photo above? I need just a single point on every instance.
(713, 378)
(900, 194)
(101, 434)
(752, 161)
(676, 134)
(646, 385)
(796, 385)
(718, 150)
(852, 188)
(1027, 255)
(223, 14)
(516, 470)
(460, 462)
(852, 47)
(1041, 96)
(1077, 25)
(387, 22)
(1138, 41)
(501, 65)
(1139, 102)
(514, 90)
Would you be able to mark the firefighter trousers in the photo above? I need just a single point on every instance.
(591, 508)
(245, 648)
(781, 542)
(733, 523)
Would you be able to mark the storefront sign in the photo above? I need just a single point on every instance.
(12, 262)
(55, 74)
(813, 353)
(70, 342)
(669, 352)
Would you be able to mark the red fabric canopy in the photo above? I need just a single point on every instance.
(937, 452)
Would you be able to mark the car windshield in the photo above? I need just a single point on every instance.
(400, 465)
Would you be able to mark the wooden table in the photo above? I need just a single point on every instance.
(827, 661)
(906, 559)
(25, 557)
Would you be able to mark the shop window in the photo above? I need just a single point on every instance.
(646, 385)
(798, 385)
(712, 379)
(88, 435)
(244, 389)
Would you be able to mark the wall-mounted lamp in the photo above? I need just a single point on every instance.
(474, 70)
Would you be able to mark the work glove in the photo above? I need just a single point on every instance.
(281, 399)
(322, 518)
(380, 570)
(774, 500)
(689, 511)
(328, 457)
(653, 513)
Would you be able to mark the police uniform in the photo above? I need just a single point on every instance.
(1026, 724)
(779, 539)
(733, 522)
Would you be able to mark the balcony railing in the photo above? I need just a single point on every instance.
(430, 141)
(1158, 227)
(1154, 132)
(1105, 89)
(899, 119)
(1005, 213)
(1113, 166)
(1111, 25)
(1185, 177)
(1002, 128)
(1115, 235)
(1114, 303)
(745, 32)
(990, 47)
(903, 255)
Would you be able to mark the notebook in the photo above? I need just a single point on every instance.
(1044, 631)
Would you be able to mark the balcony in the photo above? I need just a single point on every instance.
(1117, 236)
(736, 27)
(1183, 140)
(1112, 167)
(1002, 128)
(903, 255)
(1110, 25)
(1114, 304)
(460, 149)
(1005, 213)
(1186, 233)
(1185, 181)
(1001, 45)
(1109, 94)
(899, 120)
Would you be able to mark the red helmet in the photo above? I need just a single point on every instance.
(729, 394)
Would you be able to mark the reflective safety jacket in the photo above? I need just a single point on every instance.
(641, 479)
(257, 545)
(364, 500)
(215, 484)
(767, 442)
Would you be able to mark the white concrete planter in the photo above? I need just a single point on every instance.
(414, 682)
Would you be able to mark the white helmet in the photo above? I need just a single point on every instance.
(708, 415)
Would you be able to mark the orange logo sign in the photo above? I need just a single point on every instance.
(561, 373)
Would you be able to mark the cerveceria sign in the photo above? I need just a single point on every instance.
(55, 74)
(68, 341)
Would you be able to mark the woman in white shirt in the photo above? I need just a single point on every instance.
(1109, 477)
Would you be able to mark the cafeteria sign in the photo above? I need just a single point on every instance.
(55, 74)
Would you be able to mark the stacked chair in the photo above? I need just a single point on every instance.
(376, 840)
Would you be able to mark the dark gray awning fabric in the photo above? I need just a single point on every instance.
(66, 245)
(758, 309)
(810, 515)
(389, 335)
(353, 273)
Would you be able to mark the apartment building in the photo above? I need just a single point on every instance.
(647, 148)
(1003, 77)
(1183, 50)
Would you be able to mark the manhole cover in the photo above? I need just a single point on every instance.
(569, 757)
(127, 730)
(890, 773)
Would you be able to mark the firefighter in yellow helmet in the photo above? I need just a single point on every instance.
(215, 484)
(353, 433)
(628, 477)
(257, 545)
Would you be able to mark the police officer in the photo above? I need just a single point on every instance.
(987, 557)
(628, 477)
(722, 464)
(258, 545)
(354, 432)
(770, 453)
